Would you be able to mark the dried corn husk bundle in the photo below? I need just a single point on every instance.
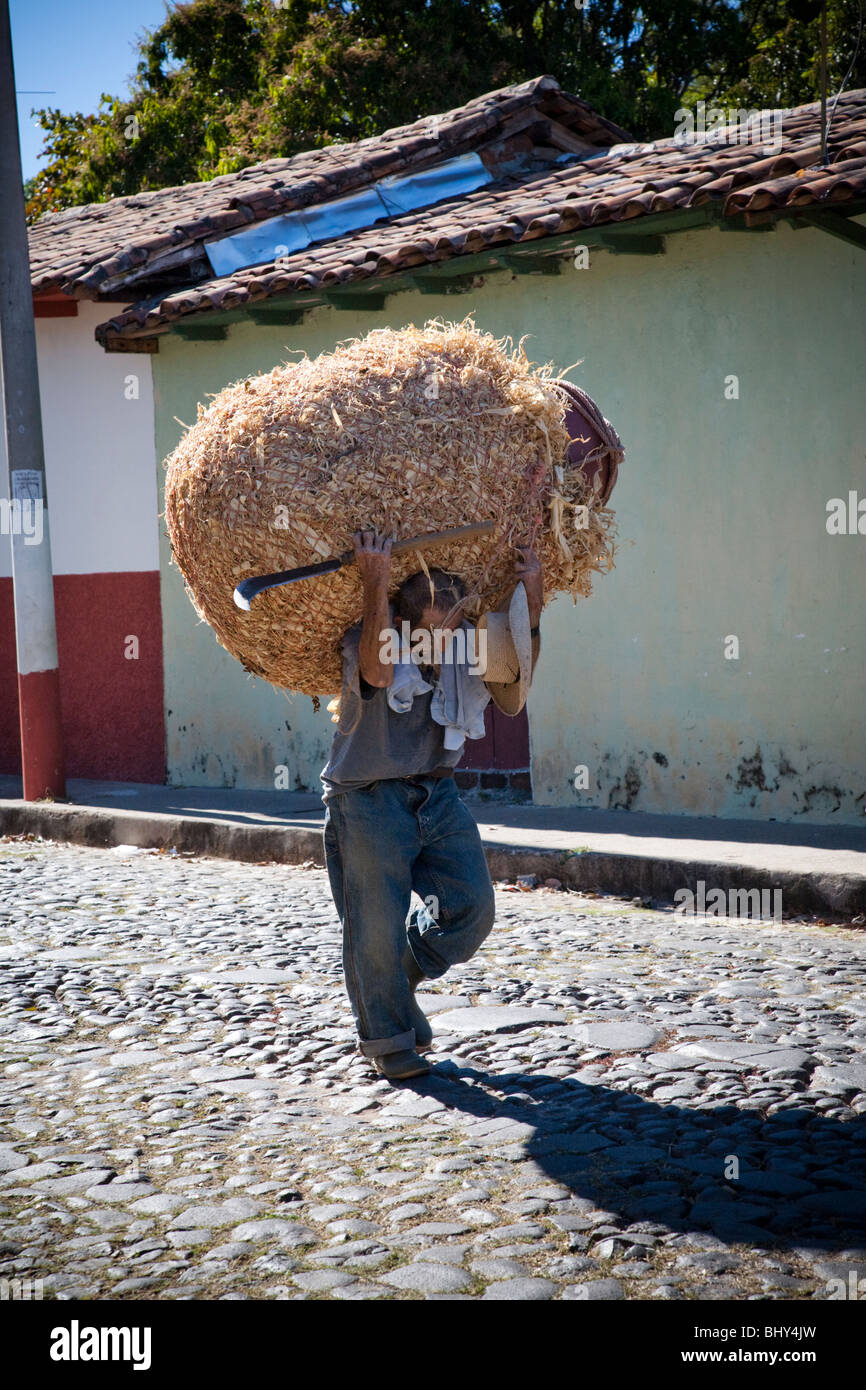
(403, 432)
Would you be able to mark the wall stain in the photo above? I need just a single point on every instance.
(623, 796)
(751, 774)
(822, 794)
(758, 779)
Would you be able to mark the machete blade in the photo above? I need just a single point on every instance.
(248, 588)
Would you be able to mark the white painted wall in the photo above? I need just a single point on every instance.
(100, 456)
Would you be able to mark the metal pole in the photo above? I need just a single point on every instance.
(27, 509)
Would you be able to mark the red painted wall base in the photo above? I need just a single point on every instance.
(111, 688)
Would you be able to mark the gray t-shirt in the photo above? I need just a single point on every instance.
(384, 743)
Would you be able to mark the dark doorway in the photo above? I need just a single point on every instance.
(496, 767)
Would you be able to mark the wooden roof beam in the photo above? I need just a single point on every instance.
(563, 139)
(834, 224)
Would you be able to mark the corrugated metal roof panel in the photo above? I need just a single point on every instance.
(406, 192)
(389, 197)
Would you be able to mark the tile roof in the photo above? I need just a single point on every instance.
(81, 250)
(597, 189)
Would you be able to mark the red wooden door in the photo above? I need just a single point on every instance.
(498, 763)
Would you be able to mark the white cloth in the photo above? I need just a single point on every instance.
(460, 696)
(407, 683)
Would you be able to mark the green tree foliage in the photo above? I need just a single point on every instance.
(782, 67)
(222, 84)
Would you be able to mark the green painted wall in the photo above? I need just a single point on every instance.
(721, 506)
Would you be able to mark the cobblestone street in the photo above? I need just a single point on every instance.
(624, 1103)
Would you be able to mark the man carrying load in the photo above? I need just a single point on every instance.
(394, 819)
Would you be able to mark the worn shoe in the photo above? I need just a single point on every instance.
(397, 1066)
(420, 1022)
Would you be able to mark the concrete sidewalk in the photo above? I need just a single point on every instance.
(818, 868)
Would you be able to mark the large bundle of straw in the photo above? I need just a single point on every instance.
(403, 432)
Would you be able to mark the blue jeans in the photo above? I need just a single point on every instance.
(382, 841)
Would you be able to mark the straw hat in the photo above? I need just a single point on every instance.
(509, 651)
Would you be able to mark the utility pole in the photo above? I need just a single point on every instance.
(27, 509)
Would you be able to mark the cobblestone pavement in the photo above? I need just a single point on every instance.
(624, 1103)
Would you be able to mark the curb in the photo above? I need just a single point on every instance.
(624, 875)
(633, 875)
(101, 829)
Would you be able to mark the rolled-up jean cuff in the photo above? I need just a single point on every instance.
(378, 1047)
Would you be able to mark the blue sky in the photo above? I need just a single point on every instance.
(77, 49)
